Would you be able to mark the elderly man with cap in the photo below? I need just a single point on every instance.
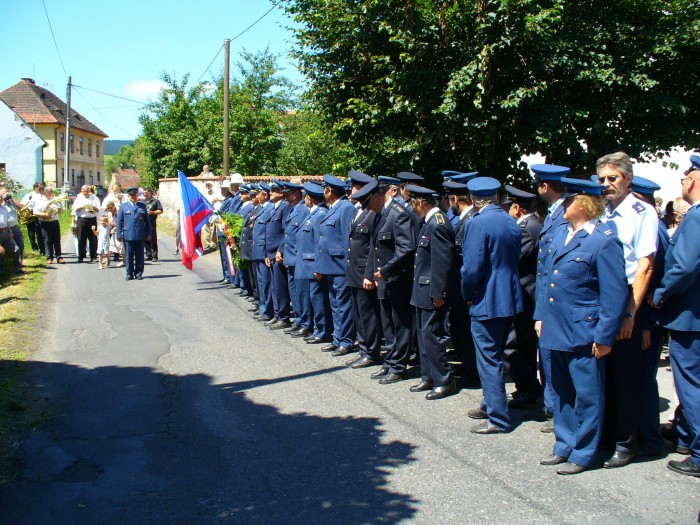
(578, 319)
(636, 225)
(679, 300)
(287, 255)
(393, 249)
(521, 348)
(330, 265)
(359, 275)
(264, 275)
(551, 190)
(490, 285)
(309, 236)
(246, 247)
(134, 229)
(274, 236)
(224, 207)
(433, 283)
(459, 324)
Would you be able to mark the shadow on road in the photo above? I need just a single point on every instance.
(135, 445)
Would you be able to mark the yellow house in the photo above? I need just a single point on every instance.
(46, 113)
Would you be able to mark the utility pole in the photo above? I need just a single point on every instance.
(66, 157)
(227, 58)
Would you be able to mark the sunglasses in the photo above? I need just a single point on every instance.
(611, 178)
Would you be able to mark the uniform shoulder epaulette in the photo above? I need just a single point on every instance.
(396, 206)
(604, 229)
(639, 207)
(440, 218)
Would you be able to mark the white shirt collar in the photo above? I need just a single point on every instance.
(466, 210)
(432, 212)
(388, 203)
(553, 207)
(521, 219)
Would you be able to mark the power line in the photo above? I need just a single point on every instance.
(210, 63)
(99, 112)
(113, 96)
(54, 38)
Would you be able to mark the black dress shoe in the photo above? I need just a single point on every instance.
(390, 378)
(352, 361)
(422, 386)
(272, 321)
(380, 374)
(477, 413)
(619, 459)
(139, 277)
(548, 427)
(128, 278)
(442, 391)
(280, 325)
(292, 329)
(364, 362)
(686, 467)
(264, 319)
(223, 281)
(330, 347)
(315, 340)
(553, 459)
(523, 399)
(569, 469)
(486, 428)
(253, 309)
(304, 332)
(341, 351)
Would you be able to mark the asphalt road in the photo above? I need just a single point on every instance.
(172, 406)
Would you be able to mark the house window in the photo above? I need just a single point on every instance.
(72, 144)
(81, 178)
(63, 175)
(63, 142)
(72, 177)
(97, 148)
(81, 146)
(98, 178)
(89, 147)
(91, 181)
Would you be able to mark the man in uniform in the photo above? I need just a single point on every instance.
(85, 209)
(246, 248)
(636, 225)
(491, 287)
(244, 211)
(521, 348)
(154, 208)
(394, 245)
(359, 276)
(330, 264)
(224, 207)
(679, 301)
(134, 229)
(265, 310)
(433, 279)
(274, 235)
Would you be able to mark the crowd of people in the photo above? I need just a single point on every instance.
(574, 307)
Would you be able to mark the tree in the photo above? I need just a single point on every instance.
(427, 84)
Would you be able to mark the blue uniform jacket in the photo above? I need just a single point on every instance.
(434, 271)
(678, 294)
(259, 231)
(490, 264)
(225, 208)
(274, 228)
(552, 223)
(394, 245)
(236, 202)
(295, 221)
(647, 315)
(246, 242)
(245, 210)
(307, 241)
(530, 230)
(334, 229)
(358, 250)
(586, 292)
(132, 222)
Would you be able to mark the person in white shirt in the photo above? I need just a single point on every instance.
(33, 230)
(85, 209)
(47, 213)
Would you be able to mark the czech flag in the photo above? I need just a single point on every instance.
(195, 210)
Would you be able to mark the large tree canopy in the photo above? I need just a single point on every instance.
(428, 84)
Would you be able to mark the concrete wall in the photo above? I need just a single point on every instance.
(20, 148)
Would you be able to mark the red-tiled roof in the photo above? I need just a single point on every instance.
(36, 104)
(126, 178)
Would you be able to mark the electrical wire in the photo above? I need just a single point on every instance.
(113, 96)
(54, 38)
(99, 112)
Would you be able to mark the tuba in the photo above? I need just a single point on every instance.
(25, 215)
(53, 207)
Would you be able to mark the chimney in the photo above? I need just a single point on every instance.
(30, 80)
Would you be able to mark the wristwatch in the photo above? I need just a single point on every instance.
(629, 315)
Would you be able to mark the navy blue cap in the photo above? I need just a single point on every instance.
(420, 192)
(244, 189)
(448, 174)
(519, 195)
(289, 186)
(366, 191)
(694, 162)
(387, 181)
(644, 186)
(549, 171)
(465, 177)
(407, 176)
(276, 184)
(576, 186)
(483, 186)
(133, 189)
(455, 188)
(314, 190)
(264, 186)
(334, 182)
(357, 177)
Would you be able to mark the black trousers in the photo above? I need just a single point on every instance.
(36, 238)
(51, 231)
(520, 356)
(367, 316)
(461, 335)
(397, 325)
(86, 237)
(152, 245)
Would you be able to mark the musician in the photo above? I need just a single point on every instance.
(46, 208)
(84, 213)
(12, 206)
(33, 229)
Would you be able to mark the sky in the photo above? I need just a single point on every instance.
(121, 48)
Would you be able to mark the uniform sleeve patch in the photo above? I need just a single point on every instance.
(638, 207)
(439, 218)
(399, 208)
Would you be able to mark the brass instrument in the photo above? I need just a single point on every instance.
(25, 215)
(53, 207)
(93, 189)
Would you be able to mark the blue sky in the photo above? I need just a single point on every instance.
(121, 47)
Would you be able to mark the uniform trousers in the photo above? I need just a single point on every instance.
(279, 290)
(254, 282)
(545, 378)
(223, 249)
(294, 295)
(246, 273)
(520, 357)
(51, 231)
(133, 252)
(684, 350)
(19, 241)
(490, 337)
(306, 319)
(265, 289)
(432, 345)
(321, 307)
(461, 337)
(35, 236)
(578, 379)
(649, 422)
(86, 238)
(366, 314)
(397, 319)
(340, 300)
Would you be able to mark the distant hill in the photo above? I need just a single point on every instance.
(112, 147)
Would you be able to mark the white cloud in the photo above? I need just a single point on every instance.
(143, 89)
